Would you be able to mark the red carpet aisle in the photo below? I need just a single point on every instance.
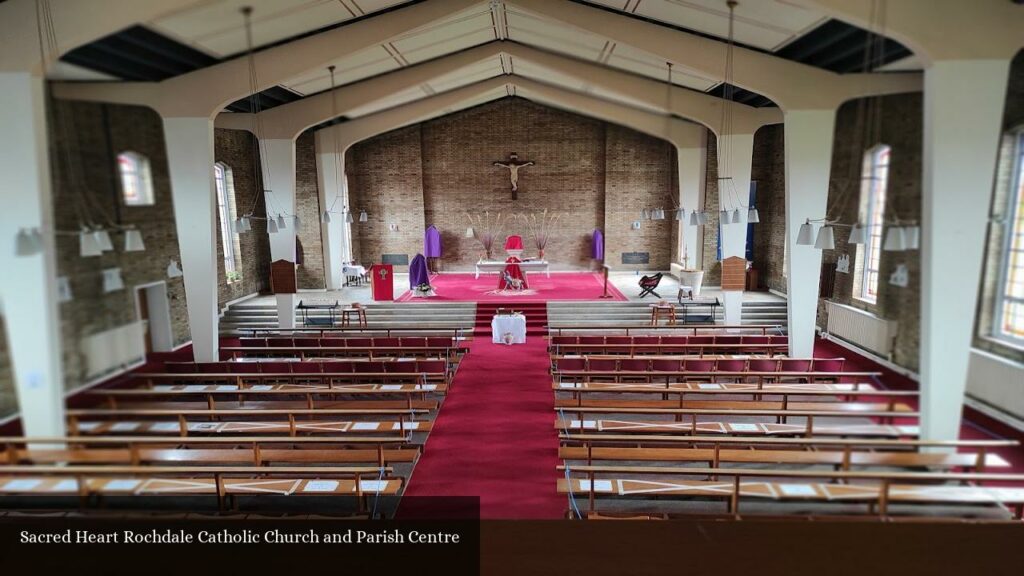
(464, 287)
(495, 437)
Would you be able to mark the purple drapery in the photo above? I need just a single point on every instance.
(597, 246)
(432, 242)
(418, 271)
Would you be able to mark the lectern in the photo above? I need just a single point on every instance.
(382, 281)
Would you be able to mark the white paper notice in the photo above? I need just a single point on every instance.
(320, 486)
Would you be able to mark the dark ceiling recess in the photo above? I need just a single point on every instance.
(139, 54)
(840, 47)
(743, 96)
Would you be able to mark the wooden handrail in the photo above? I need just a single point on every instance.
(881, 443)
(823, 473)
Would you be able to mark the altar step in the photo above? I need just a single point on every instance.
(246, 315)
(535, 312)
(638, 313)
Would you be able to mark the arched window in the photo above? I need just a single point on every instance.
(874, 183)
(136, 181)
(225, 184)
(1009, 313)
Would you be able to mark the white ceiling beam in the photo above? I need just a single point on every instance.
(205, 92)
(690, 104)
(791, 85)
(938, 29)
(290, 120)
(75, 23)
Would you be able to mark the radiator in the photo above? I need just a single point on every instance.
(113, 349)
(861, 328)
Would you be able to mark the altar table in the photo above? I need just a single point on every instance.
(497, 266)
(513, 325)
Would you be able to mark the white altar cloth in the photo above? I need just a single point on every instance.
(508, 329)
(497, 266)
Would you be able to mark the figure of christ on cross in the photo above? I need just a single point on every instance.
(513, 166)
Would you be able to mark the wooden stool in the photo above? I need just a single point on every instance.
(668, 310)
(360, 313)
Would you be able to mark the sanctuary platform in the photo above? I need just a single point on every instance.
(561, 286)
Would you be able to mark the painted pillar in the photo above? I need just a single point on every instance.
(736, 152)
(808, 135)
(27, 284)
(330, 167)
(962, 126)
(691, 161)
(190, 160)
(278, 170)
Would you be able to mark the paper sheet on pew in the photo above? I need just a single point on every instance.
(599, 485)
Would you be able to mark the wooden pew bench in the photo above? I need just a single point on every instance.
(694, 329)
(224, 422)
(888, 487)
(713, 376)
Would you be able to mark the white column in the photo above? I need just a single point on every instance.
(962, 126)
(808, 136)
(190, 159)
(330, 168)
(692, 165)
(734, 164)
(29, 299)
(279, 182)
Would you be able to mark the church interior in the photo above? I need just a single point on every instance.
(574, 260)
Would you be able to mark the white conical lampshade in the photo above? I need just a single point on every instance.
(133, 241)
(271, 226)
(243, 225)
(752, 216)
(28, 242)
(826, 239)
(112, 280)
(281, 224)
(694, 218)
(856, 234)
(723, 216)
(644, 215)
(349, 218)
(680, 214)
(173, 271)
(803, 238)
(469, 232)
(326, 218)
(912, 236)
(87, 244)
(736, 217)
(298, 222)
(103, 240)
(894, 240)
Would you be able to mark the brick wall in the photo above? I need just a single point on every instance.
(769, 172)
(93, 134)
(307, 205)
(385, 178)
(712, 266)
(433, 173)
(235, 149)
(640, 172)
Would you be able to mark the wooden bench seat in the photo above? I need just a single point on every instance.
(228, 427)
(888, 487)
(841, 459)
(349, 352)
(242, 378)
(726, 406)
(731, 389)
(695, 329)
(712, 376)
(252, 406)
(641, 426)
(213, 456)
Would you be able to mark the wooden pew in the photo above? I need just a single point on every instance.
(458, 333)
(325, 351)
(224, 421)
(221, 482)
(897, 487)
(243, 378)
(713, 376)
(695, 329)
(254, 450)
(888, 409)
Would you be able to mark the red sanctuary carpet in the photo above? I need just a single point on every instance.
(494, 437)
(463, 287)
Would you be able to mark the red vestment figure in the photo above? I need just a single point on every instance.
(514, 242)
(512, 278)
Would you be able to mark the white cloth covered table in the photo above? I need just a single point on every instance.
(485, 266)
(508, 329)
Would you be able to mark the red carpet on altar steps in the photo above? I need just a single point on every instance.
(463, 287)
(494, 437)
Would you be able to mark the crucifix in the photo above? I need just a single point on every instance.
(513, 166)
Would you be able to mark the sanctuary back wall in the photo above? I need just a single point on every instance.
(594, 175)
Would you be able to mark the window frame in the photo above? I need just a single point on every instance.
(1014, 218)
(874, 220)
(223, 182)
(140, 176)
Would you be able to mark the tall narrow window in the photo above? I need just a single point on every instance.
(1009, 324)
(872, 209)
(136, 181)
(226, 208)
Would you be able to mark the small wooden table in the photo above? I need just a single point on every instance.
(668, 310)
(346, 314)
